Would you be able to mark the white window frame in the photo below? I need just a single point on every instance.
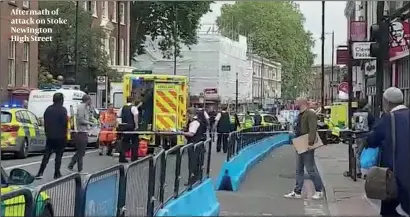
(114, 12)
(104, 9)
(85, 5)
(94, 8)
(26, 4)
(12, 63)
(113, 52)
(122, 52)
(26, 64)
(122, 13)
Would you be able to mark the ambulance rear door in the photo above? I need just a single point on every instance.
(165, 106)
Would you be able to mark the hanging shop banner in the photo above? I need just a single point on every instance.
(342, 55)
(358, 31)
(399, 39)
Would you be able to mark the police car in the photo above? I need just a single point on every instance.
(21, 131)
(15, 206)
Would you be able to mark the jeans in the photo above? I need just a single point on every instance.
(307, 160)
(81, 142)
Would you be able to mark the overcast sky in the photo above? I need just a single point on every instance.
(334, 18)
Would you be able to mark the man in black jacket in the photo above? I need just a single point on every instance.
(55, 126)
(129, 123)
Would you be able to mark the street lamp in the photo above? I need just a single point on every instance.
(333, 60)
(323, 55)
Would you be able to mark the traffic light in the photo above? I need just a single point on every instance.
(379, 34)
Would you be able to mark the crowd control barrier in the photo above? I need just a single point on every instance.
(245, 149)
(142, 188)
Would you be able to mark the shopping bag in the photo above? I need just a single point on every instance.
(369, 158)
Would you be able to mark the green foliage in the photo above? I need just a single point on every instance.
(156, 19)
(54, 55)
(274, 30)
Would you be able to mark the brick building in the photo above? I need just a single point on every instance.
(114, 18)
(316, 91)
(18, 61)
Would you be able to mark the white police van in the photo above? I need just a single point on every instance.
(40, 99)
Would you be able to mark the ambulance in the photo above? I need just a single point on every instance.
(166, 104)
(39, 100)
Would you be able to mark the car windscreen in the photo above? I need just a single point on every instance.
(5, 117)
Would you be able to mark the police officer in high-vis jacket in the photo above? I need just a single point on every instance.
(195, 133)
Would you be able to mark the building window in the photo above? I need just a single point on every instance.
(12, 63)
(85, 5)
(122, 13)
(104, 9)
(121, 63)
(94, 8)
(26, 64)
(113, 52)
(26, 4)
(114, 12)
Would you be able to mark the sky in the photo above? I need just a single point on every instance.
(312, 10)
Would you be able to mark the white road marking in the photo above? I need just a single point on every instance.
(39, 162)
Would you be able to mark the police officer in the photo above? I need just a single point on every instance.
(194, 134)
(257, 119)
(129, 123)
(203, 117)
(223, 128)
(55, 126)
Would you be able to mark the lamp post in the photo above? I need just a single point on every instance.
(77, 57)
(323, 56)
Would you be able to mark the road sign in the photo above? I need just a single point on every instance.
(361, 51)
(101, 79)
(344, 87)
(226, 68)
(358, 30)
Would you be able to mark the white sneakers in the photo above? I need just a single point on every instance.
(293, 195)
(316, 196)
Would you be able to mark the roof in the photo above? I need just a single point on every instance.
(156, 76)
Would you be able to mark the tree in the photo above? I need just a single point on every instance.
(175, 23)
(274, 30)
(55, 54)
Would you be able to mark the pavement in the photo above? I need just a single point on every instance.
(344, 196)
(262, 191)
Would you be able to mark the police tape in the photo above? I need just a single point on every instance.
(165, 133)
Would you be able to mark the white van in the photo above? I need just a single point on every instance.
(39, 100)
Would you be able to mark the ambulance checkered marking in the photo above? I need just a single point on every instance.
(168, 99)
(165, 122)
(166, 105)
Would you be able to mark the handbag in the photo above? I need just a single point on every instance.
(381, 181)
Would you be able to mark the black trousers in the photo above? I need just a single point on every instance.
(129, 142)
(222, 140)
(53, 145)
(388, 208)
(195, 162)
(81, 142)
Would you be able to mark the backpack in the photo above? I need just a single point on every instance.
(381, 181)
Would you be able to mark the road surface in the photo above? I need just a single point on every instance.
(262, 191)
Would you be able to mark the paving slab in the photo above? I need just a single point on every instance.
(262, 191)
(344, 196)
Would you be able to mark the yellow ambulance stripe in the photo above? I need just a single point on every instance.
(165, 122)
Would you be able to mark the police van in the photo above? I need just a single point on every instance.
(39, 100)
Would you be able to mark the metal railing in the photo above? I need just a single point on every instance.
(241, 139)
(140, 189)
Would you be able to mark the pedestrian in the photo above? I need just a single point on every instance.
(257, 119)
(203, 117)
(84, 122)
(364, 126)
(399, 160)
(193, 135)
(223, 128)
(108, 122)
(55, 127)
(129, 125)
(306, 123)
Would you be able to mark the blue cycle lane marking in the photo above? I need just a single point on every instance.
(101, 197)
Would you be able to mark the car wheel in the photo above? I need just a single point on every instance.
(23, 152)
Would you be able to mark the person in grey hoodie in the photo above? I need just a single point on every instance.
(83, 126)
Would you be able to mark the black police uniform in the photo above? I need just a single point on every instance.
(224, 128)
(194, 163)
(129, 141)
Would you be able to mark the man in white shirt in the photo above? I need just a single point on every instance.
(129, 123)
